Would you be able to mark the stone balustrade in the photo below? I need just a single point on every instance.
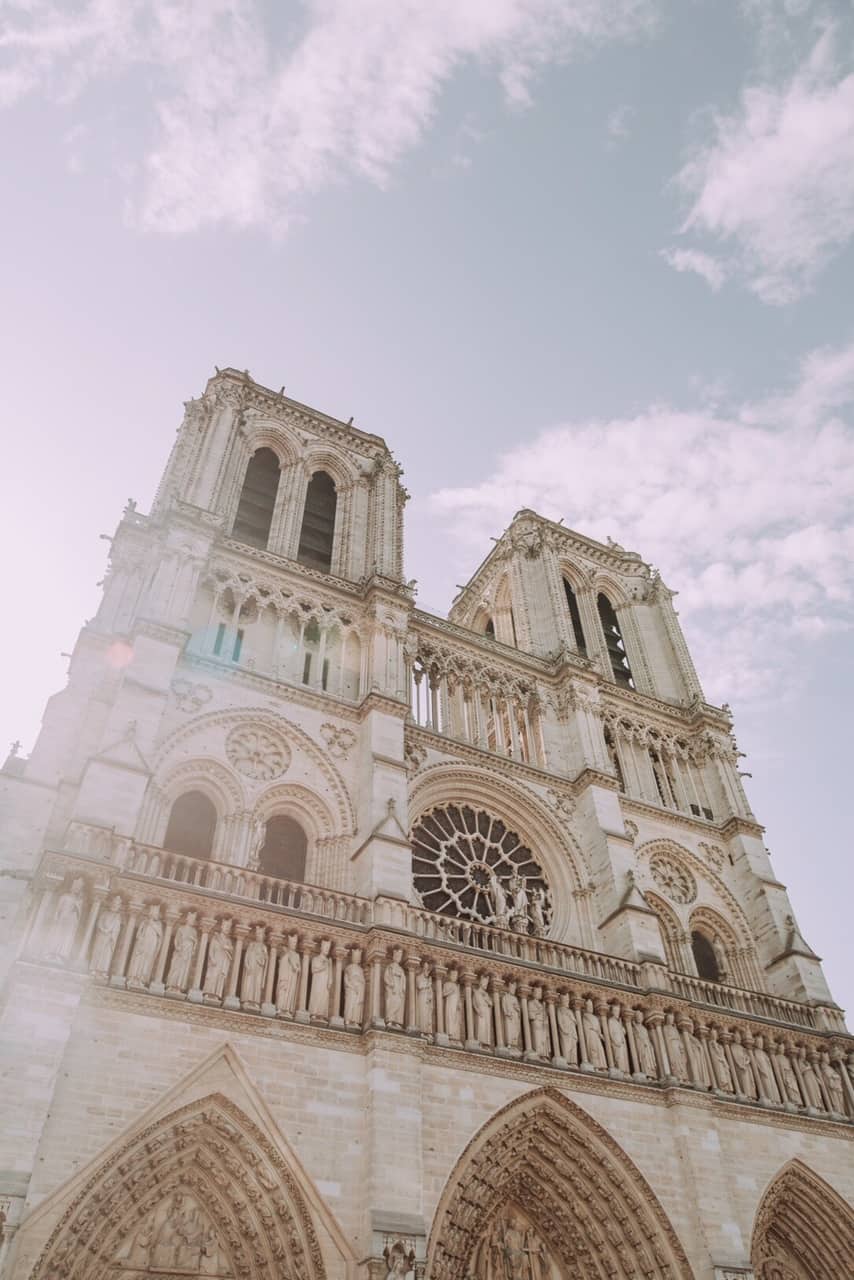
(180, 940)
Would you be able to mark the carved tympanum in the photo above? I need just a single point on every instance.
(178, 1237)
(257, 753)
(512, 1249)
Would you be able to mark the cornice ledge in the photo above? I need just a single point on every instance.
(738, 826)
(160, 631)
(457, 749)
(592, 777)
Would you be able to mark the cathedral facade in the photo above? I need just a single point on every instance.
(347, 942)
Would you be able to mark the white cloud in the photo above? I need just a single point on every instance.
(256, 105)
(620, 123)
(701, 264)
(748, 514)
(776, 186)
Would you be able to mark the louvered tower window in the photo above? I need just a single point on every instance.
(575, 618)
(614, 641)
(258, 499)
(318, 523)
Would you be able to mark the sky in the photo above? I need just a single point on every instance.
(588, 256)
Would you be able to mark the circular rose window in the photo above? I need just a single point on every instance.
(469, 864)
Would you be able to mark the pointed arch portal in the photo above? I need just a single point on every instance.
(804, 1230)
(543, 1191)
(200, 1192)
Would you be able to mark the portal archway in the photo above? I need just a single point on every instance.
(199, 1192)
(803, 1230)
(542, 1190)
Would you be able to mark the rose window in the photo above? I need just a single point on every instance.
(468, 863)
(257, 753)
(674, 881)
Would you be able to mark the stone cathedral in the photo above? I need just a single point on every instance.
(346, 942)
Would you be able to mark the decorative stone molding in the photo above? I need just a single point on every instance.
(802, 1228)
(257, 753)
(190, 697)
(338, 740)
(674, 881)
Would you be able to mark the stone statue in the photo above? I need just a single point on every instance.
(182, 1237)
(512, 1017)
(720, 1066)
(833, 1084)
(538, 1022)
(643, 1045)
(394, 981)
(289, 971)
(220, 952)
(149, 934)
(617, 1036)
(66, 920)
(538, 912)
(399, 1261)
(183, 950)
(106, 936)
(744, 1079)
(789, 1079)
(675, 1049)
(424, 999)
(764, 1072)
(720, 957)
(254, 968)
(482, 1007)
(567, 1030)
(354, 990)
(321, 981)
(519, 918)
(451, 997)
(697, 1060)
(498, 899)
(810, 1082)
(593, 1038)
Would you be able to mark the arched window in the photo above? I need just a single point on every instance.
(489, 629)
(284, 849)
(614, 641)
(704, 957)
(575, 618)
(191, 826)
(318, 523)
(258, 498)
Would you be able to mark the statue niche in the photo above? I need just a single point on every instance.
(511, 1248)
(177, 1239)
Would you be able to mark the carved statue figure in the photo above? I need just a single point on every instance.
(810, 1082)
(66, 919)
(498, 899)
(789, 1079)
(183, 950)
(182, 1237)
(617, 1036)
(394, 981)
(424, 999)
(288, 983)
(538, 1022)
(567, 1030)
(675, 1049)
(721, 957)
(643, 1044)
(399, 1260)
(321, 981)
(254, 968)
(720, 1066)
(538, 912)
(354, 990)
(593, 1038)
(482, 1007)
(697, 1060)
(107, 932)
(220, 951)
(149, 933)
(519, 919)
(833, 1084)
(746, 1084)
(512, 1017)
(451, 997)
(764, 1072)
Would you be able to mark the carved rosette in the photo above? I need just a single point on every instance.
(674, 881)
(257, 752)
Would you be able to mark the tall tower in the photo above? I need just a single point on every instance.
(343, 940)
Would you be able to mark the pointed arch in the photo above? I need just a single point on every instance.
(673, 933)
(803, 1229)
(591, 1207)
(210, 1158)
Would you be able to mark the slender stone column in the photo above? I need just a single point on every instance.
(94, 911)
(496, 989)
(527, 1044)
(195, 995)
(583, 1057)
(302, 1014)
(629, 1024)
(411, 965)
(439, 973)
(268, 1008)
(340, 953)
(172, 916)
(550, 999)
(602, 1015)
(231, 1001)
(467, 979)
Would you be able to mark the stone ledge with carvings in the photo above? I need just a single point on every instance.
(335, 961)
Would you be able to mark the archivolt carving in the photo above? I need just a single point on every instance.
(543, 1161)
(550, 842)
(201, 1183)
(207, 775)
(803, 1229)
(329, 780)
(309, 810)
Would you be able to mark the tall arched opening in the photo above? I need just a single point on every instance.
(804, 1230)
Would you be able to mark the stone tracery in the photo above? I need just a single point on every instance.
(802, 1229)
